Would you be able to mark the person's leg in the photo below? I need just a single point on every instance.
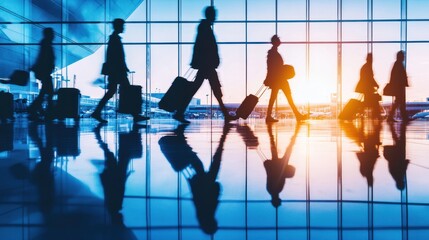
(273, 97)
(392, 112)
(112, 87)
(49, 91)
(217, 92)
(402, 107)
(286, 90)
(35, 107)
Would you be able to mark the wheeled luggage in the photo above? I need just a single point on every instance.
(68, 104)
(130, 99)
(6, 106)
(178, 96)
(351, 109)
(249, 103)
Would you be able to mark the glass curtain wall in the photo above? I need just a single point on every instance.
(326, 41)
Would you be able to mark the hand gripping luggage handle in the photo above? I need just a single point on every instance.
(261, 90)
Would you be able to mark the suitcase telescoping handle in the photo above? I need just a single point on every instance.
(261, 90)
(188, 74)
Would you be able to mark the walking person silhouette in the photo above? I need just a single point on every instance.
(276, 81)
(368, 86)
(205, 58)
(117, 70)
(42, 69)
(399, 81)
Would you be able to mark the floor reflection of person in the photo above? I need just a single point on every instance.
(115, 173)
(396, 155)
(370, 143)
(204, 186)
(278, 169)
(43, 173)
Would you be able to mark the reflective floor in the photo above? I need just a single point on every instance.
(321, 179)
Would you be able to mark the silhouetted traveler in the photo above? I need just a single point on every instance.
(206, 59)
(115, 173)
(117, 70)
(399, 81)
(278, 169)
(368, 86)
(42, 69)
(204, 187)
(276, 81)
(396, 155)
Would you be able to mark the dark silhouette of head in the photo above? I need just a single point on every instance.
(276, 201)
(400, 56)
(210, 13)
(118, 25)
(48, 33)
(369, 57)
(275, 40)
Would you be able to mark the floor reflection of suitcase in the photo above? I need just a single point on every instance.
(249, 103)
(130, 99)
(6, 106)
(68, 103)
(351, 109)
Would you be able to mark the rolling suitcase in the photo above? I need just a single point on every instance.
(179, 95)
(68, 103)
(6, 106)
(249, 103)
(351, 109)
(130, 99)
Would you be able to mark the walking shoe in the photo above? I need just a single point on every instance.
(300, 117)
(229, 118)
(271, 120)
(390, 119)
(181, 119)
(98, 118)
(139, 118)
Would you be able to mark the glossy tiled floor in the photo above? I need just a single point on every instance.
(322, 180)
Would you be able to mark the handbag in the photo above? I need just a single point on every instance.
(105, 69)
(288, 71)
(389, 90)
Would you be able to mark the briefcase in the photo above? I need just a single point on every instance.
(18, 77)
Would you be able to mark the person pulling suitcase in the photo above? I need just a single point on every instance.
(116, 68)
(205, 58)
